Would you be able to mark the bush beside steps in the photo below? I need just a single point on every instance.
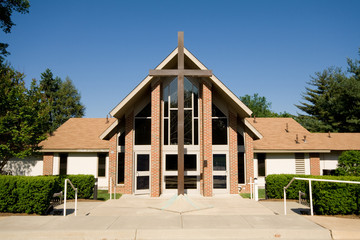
(27, 194)
(328, 198)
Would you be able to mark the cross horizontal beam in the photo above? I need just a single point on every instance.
(184, 72)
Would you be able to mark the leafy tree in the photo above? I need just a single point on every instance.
(349, 164)
(261, 107)
(24, 116)
(6, 9)
(63, 98)
(332, 101)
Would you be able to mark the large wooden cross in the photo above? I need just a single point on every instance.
(180, 73)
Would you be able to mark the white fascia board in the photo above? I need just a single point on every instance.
(74, 150)
(291, 151)
(252, 128)
(219, 83)
(142, 84)
(109, 129)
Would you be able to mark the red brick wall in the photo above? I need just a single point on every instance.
(207, 133)
(314, 163)
(249, 153)
(155, 141)
(48, 161)
(201, 142)
(125, 188)
(129, 139)
(112, 160)
(233, 149)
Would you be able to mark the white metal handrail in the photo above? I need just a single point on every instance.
(310, 189)
(76, 191)
(111, 186)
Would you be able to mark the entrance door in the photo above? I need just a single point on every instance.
(220, 174)
(191, 174)
(142, 173)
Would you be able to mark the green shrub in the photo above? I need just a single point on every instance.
(328, 198)
(348, 164)
(26, 194)
(84, 184)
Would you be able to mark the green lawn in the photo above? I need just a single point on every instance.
(261, 194)
(104, 195)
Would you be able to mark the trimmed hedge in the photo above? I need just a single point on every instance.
(25, 194)
(84, 184)
(20, 194)
(328, 198)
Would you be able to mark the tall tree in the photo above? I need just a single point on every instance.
(6, 9)
(63, 98)
(261, 107)
(332, 100)
(24, 115)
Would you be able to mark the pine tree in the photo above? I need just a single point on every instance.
(63, 98)
(332, 101)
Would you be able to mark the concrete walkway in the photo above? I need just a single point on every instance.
(228, 217)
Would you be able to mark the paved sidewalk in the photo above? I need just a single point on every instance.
(228, 217)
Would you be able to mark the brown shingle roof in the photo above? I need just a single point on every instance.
(275, 137)
(79, 134)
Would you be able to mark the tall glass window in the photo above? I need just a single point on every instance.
(63, 164)
(143, 126)
(219, 126)
(170, 115)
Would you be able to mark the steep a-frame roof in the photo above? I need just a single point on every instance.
(169, 62)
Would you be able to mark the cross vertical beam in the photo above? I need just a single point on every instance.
(180, 113)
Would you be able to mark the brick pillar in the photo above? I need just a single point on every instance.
(314, 163)
(201, 142)
(155, 140)
(233, 150)
(207, 138)
(112, 160)
(48, 161)
(249, 153)
(129, 138)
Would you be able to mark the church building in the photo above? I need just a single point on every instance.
(181, 130)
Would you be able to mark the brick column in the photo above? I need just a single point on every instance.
(155, 141)
(112, 160)
(314, 163)
(129, 138)
(249, 153)
(233, 150)
(48, 161)
(207, 138)
(201, 142)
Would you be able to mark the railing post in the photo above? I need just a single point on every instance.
(114, 190)
(76, 191)
(110, 182)
(256, 189)
(284, 200)
(65, 197)
(311, 202)
(251, 189)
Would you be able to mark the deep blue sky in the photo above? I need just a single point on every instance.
(107, 47)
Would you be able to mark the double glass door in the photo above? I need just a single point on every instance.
(191, 173)
(142, 173)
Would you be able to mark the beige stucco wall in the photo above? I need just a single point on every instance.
(32, 166)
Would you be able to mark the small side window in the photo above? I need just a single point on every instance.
(63, 164)
(101, 165)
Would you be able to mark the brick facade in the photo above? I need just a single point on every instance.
(233, 150)
(314, 163)
(48, 162)
(249, 158)
(129, 139)
(207, 139)
(155, 141)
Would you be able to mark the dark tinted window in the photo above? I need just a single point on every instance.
(63, 164)
(101, 165)
(261, 164)
(171, 162)
(121, 168)
(241, 168)
(142, 131)
(219, 131)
